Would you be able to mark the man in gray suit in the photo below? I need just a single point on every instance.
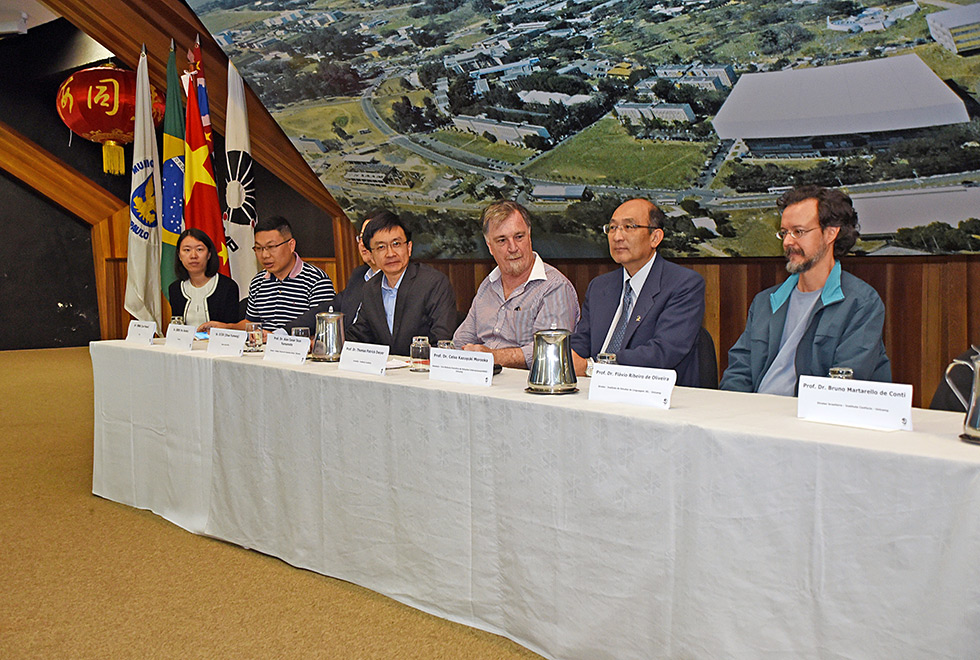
(407, 299)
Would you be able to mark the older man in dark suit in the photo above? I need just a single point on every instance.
(649, 311)
(407, 299)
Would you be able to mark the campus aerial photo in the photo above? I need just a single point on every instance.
(710, 108)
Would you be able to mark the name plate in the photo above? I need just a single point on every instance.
(641, 386)
(363, 358)
(141, 332)
(286, 349)
(470, 367)
(226, 342)
(180, 337)
(862, 403)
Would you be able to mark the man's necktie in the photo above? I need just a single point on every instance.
(624, 319)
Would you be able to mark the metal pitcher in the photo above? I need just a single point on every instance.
(552, 371)
(971, 425)
(329, 338)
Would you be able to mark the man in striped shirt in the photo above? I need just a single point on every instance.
(520, 296)
(287, 287)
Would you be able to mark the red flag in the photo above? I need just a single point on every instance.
(201, 207)
(194, 58)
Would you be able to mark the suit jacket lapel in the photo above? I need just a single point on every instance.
(644, 302)
(605, 309)
(373, 306)
(404, 297)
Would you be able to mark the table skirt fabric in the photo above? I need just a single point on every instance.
(722, 528)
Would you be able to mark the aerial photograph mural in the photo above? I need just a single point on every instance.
(710, 108)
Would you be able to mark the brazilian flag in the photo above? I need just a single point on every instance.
(172, 179)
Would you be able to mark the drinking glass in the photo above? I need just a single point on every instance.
(420, 354)
(253, 337)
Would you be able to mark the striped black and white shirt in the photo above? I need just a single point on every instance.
(273, 302)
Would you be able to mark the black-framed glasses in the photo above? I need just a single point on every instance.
(259, 249)
(629, 229)
(381, 248)
(797, 234)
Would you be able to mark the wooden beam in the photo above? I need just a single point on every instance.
(55, 179)
(108, 215)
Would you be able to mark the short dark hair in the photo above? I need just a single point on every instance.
(202, 236)
(834, 209)
(275, 223)
(499, 211)
(380, 222)
(657, 217)
(382, 215)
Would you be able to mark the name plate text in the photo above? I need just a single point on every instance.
(180, 337)
(141, 332)
(470, 367)
(286, 349)
(363, 358)
(226, 342)
(862, 403)
(641, 386)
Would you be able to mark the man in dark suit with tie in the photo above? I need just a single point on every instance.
(649, 311)
(406, 299)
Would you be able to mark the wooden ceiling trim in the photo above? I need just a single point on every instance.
(54, 179)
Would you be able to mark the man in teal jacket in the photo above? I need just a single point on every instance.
(821, 317)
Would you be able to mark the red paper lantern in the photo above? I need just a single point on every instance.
(99, 104)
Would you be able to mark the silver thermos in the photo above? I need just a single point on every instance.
(329, 338)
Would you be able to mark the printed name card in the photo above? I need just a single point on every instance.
(286, 349)
(470, 367)
(141, 332)
(640, 386)
(862, 403)
(180, 337)
(226, 342)
(363, 358)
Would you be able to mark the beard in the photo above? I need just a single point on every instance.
(807, 263)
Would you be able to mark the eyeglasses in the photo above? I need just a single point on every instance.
(795, 233)
(381, 248)
(629, 229)
(259, 249)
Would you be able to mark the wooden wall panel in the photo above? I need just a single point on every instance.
(932, 304)
(327, 265)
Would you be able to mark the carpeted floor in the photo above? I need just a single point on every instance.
(86, 578)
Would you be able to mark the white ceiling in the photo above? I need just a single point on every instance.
(37, 13)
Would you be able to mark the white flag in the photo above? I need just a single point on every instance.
(240, 213)
(143, 259)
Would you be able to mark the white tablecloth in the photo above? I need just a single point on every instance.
(722, 528)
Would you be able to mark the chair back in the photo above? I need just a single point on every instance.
(707, 361)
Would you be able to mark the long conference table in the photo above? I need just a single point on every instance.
(724, 527)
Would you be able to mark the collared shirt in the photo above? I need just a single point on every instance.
(389, 295)
(274, 302)
(636, 283)
(547, 298)
(830, 294)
